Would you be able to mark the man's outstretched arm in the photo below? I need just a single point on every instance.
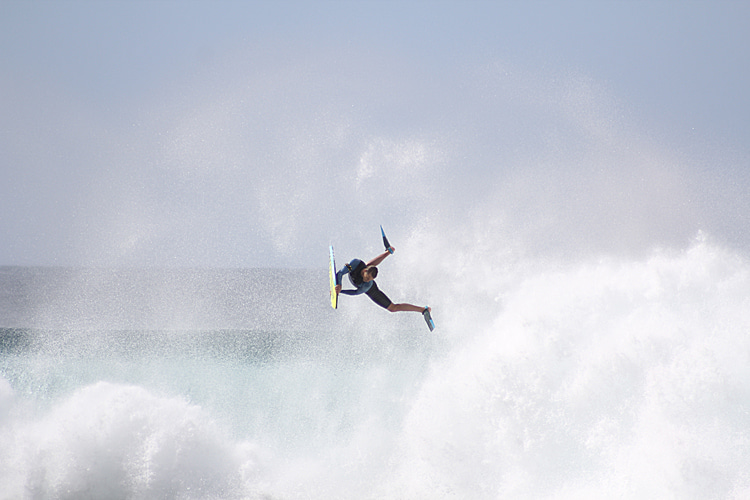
(380, 258)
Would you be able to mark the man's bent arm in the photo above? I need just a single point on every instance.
(340, 275)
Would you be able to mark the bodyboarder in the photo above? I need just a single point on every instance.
(362, 275)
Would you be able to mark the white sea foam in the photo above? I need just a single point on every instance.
(610, 379)
(115, 441)
(602, 378)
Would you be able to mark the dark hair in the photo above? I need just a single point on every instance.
(372, 270)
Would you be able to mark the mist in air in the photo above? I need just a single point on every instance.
(210, 141)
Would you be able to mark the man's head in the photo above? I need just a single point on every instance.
(369, 273)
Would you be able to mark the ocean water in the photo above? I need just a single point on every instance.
(545, 378)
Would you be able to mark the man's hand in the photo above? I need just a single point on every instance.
(338, 289)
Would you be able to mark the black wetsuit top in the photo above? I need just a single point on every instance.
(355, 268)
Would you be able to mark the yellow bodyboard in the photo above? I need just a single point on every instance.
(332, 280)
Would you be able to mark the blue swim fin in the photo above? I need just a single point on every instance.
(428, 318)
(385, 241)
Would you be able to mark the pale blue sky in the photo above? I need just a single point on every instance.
(182, 133)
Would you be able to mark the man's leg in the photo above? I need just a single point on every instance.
(406, 307)
(381, 299)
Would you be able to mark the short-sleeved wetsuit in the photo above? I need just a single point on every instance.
(355, 268)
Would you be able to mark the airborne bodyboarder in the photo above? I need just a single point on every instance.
(362, 276)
